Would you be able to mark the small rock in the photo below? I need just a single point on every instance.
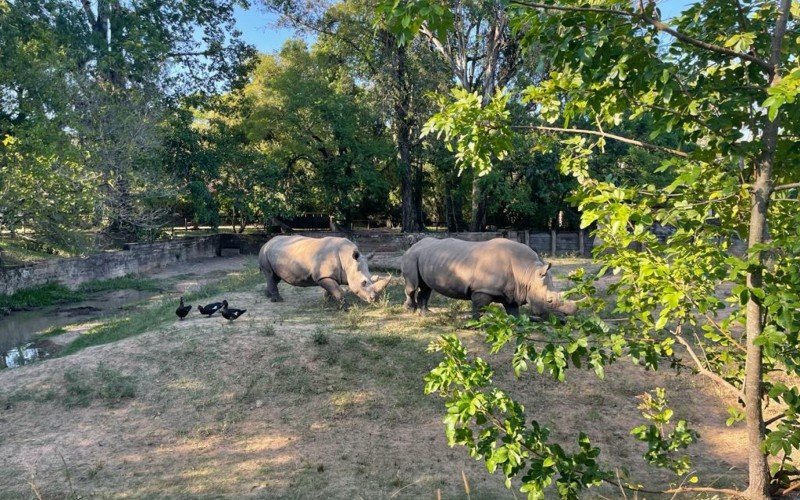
(259, 403)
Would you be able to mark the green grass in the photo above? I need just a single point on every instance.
(319, 337)
(54, 331)
(56, 293)
(40, 296)
(161, 312)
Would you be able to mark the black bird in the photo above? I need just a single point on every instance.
(230, 313)
(210, 308)
(182, 310)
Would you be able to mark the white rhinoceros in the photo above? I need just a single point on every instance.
(497, 270)
(327, 262)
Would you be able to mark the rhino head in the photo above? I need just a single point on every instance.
(361, 283)
(543, 298)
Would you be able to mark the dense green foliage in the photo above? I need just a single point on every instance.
(167, 118)
(716, 163)
(85, 91)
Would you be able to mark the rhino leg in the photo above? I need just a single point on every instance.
(272, 288)
(479, 301)
(423, 296)
(410, 304)
(272, 280)
(332, 289)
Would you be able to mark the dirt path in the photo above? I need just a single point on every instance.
(294, 400)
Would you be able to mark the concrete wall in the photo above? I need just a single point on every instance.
(134, 258)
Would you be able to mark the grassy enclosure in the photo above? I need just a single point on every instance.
(298, 399)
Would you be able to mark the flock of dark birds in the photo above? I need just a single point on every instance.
(229, 313)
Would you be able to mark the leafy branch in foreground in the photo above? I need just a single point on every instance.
(494, 427)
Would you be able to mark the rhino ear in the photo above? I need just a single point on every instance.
(356, 255)
(546, 268)
(370, 256)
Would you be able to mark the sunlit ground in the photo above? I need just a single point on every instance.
(296, 400)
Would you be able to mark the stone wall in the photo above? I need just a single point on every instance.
(134, 258)
(142, 258)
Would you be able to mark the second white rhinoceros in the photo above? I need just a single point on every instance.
(327, 262)
(497, 270)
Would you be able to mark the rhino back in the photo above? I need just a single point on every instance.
(457, 268)
(303, 261)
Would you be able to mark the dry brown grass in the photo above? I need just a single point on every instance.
(260, 408)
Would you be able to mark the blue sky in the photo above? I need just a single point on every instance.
(260, 27)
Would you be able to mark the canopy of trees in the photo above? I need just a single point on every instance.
(132, 116)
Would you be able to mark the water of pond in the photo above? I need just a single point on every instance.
(20, 328)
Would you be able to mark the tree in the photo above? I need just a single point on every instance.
(722, 79)
(49, 195)
(152, 42)
(310, 120)
(189, 156)
(479, 48)
(396, 79)
(44, 185)
(94, 81)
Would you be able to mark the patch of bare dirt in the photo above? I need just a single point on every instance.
(193, 274)
(296, 400)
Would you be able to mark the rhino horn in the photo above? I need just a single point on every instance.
(380, 284)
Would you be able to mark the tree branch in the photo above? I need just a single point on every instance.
(701, 489)
(774, 419)
(442, 50)
(626, 140)
(682, 489)
(297, 20)
(702, 370)
(659, 25)
(784, 187)
(87, 7)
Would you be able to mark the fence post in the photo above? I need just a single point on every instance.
(553, 243)
(581, 243)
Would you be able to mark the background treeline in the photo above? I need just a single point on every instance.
(121, 118)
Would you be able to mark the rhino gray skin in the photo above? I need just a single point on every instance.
(327, 262)
(497, 270)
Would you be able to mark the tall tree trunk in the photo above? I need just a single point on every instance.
(758, 469)
(478, 219)
(454, 204)
(419, 216)
(411, 221)
(488, 87)
(753, 387)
